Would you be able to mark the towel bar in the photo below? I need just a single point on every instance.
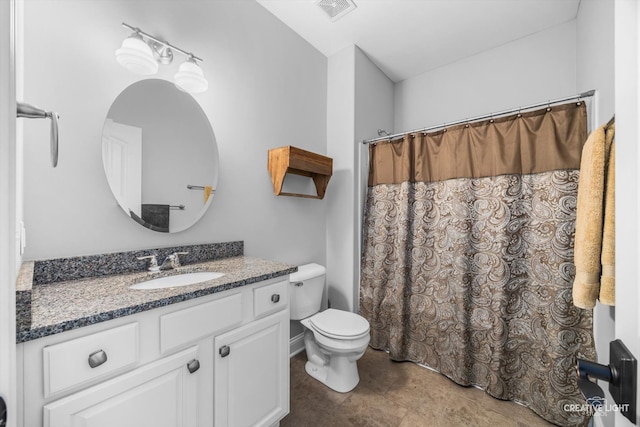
(197, 187)
(31, 112)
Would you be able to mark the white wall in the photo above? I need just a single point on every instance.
(360, 101)
(595, 54)
(10, 208)
(595, 70)
(340, 195)
(529, 70)
(374, 93)
(267, 88)
(627, 105)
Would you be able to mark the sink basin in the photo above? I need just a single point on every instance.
(177, 280)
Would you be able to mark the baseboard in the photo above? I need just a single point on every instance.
(296, 344)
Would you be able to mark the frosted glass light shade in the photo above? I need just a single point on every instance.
(135, 55)
(190, 77)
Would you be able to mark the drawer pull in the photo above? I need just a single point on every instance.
(193, 366)
(225, 350)
(275, 298)
(97, 358)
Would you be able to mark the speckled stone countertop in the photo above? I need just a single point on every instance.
(62, 306)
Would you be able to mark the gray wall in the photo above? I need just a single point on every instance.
(340, 145)
(267, 88)
(360, 101)
(529, 70)
(374, 110)
(595, 70)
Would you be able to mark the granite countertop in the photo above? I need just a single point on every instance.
(66, 305)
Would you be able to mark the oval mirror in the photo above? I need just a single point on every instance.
(160, 156)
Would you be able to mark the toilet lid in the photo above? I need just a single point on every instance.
(339, 324)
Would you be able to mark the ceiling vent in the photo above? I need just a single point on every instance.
(336, 9)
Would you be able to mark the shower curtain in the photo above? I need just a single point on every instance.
(467, 259)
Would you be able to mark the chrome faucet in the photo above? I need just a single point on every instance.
(153, 262)
(172, 261)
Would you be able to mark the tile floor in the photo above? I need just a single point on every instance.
(392, 394)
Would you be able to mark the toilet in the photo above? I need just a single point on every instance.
(334, 339)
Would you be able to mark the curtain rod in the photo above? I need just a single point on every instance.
(483, 117)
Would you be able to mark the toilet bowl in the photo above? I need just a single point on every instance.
(334, 339)
(332, 352)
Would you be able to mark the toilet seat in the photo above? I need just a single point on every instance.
(340, 325)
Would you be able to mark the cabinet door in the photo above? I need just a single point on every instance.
(252, 373)
(161, 394)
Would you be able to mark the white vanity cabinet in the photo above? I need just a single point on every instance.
(252, 366)
(160, 394)
(165, 366)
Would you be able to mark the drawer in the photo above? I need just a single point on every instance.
(271, 298)
(187, 325)
(68, 364)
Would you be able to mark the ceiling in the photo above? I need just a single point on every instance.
(405, 38)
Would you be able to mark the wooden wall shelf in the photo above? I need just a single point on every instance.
(294, 160)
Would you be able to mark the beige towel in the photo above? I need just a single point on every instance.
(590, 220)
(608, 280)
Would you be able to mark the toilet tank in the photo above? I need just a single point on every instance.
(306, 287)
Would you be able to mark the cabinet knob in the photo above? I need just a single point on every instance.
(193, 366)
(225, 350)
(275, 298)
(97, 358)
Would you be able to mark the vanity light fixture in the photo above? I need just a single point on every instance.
(141, 53)
(135, 55)
(190, 77)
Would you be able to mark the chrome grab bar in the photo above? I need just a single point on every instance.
(31, 112)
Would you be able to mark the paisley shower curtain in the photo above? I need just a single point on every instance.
(467, 259)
